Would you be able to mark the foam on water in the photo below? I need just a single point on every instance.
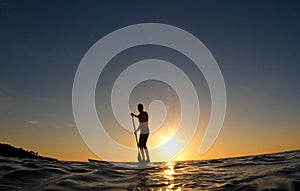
(279, 172)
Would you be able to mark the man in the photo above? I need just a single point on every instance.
(144, 131)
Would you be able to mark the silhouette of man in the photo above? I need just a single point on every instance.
(144, 131)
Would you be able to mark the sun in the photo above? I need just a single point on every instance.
(172, 145)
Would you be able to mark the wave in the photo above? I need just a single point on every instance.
(280, 171)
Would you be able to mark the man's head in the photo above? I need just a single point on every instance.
(140, 107)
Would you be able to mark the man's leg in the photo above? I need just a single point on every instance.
(147, 155)
(142, 153)
(141, 145)
(145, 147)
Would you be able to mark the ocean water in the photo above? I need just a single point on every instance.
(280, 171)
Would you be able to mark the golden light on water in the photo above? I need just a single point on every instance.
(168, 173)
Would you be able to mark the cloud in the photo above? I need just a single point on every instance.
(4, 3)
(8, 101)
(4, 91)
(69, 125)
(32, 122)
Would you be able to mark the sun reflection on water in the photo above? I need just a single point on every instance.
(168, 173)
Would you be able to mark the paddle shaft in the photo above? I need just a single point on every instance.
(137, 143)
(136, 139)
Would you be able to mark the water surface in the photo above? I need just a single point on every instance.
(279, 171)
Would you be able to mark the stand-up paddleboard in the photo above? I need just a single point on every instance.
(95, 160)
(131, 165)
(138, 165)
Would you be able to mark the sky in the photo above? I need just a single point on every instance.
(255, 43)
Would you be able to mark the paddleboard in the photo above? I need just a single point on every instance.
(131, 165)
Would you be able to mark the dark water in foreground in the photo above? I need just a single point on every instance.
(279, 171)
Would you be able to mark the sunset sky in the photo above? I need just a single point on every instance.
(255, 43)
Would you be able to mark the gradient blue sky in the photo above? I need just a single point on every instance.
(256, 44)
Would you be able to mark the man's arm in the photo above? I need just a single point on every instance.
(132, 114)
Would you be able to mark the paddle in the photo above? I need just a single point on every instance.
(139, 158)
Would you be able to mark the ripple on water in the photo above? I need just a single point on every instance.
(258, 173)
